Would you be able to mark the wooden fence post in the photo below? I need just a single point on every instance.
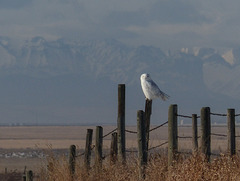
(121, 124)
(142, 146)
(113, 151)
(194, 134)
(24, 177)
(29, 175)
(231, 131)
(148, 112)
(72, 159)
(172, 134)
(87, 153)
(98, 147)
(206, 132)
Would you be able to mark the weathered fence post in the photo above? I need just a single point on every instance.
(24, 177)
(87, 153)
(172, 134)
(148, 112)
(113, 151)
(142, 146)
(121, 124)
(72, 159)
(206, 132)
(29, 175)
(231, 131)
(194, 134)
(98, 147)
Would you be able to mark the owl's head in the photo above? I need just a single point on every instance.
(145, 76)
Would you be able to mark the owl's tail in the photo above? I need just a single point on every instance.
(163, 95)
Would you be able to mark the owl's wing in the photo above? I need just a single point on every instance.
(157, 92)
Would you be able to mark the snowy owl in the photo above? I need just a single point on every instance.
(150, 89)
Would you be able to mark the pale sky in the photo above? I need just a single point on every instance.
(162, 23)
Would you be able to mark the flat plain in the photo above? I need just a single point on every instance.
(28, 146)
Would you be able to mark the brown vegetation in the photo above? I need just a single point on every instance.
(193, 168)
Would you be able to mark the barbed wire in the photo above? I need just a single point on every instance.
(81, 154)
(236, 115)
(218, 114)
(129, 131)
(217, 134)
(109, 133)
(157, 146)
(158, 126)
(184, 116)
(184, 136)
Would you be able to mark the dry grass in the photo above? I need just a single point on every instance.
(193, 168)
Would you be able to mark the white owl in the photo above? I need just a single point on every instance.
(150, 89)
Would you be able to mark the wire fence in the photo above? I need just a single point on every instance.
(131, 132)
(134, 150)
(212, 134)
(166, 142)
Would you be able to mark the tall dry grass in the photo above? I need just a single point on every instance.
(193, 168)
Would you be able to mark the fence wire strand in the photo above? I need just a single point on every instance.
(109, 133)
(157, 146)
(81, 154)
(217, 114)
(216, 134)
(158, 126)
(184, 136)
(184, 116)
(129, 131)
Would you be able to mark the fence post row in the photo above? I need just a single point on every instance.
(113, 151)
(98, 147)
(142, 146)
(87, 153)
(72, 159)
(121, 124)
(206, 132)
(148, 112)
(194, 134)
(231, 131)
(172, 134)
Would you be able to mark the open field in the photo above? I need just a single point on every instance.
(27, 146)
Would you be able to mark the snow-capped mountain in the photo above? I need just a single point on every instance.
(41, 72)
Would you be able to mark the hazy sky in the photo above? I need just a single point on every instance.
(165, 23)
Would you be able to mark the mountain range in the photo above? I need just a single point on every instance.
(70, 82)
